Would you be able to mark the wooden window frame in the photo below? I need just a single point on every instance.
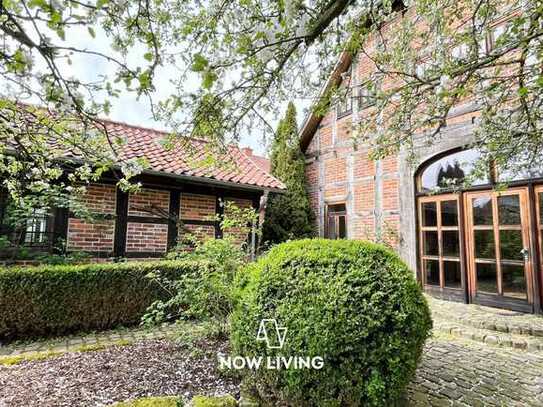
(439, 228)
(524, 202)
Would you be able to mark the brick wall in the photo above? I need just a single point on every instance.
(197, 207)
(201, 232)
(149, 202)
(95, 236)
(146, 237)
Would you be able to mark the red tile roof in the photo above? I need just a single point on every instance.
(190, 157)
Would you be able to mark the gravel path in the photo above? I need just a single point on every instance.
(151, 368)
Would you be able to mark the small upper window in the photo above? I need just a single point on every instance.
(365, 97)
(451, 171)
(344, 104)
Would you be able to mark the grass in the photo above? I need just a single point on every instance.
(152, 402)
(15, 360)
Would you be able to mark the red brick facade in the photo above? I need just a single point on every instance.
(338, 172)
(144, 234)
(146, 237)
(94, 236)
(197, 207)
(149, 202)
(237, 234)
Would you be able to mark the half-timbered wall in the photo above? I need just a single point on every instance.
(145, 224)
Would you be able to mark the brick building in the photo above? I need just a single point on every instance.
(479, 245)
(177, 185)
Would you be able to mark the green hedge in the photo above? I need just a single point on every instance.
(55, 300)
(353, 303)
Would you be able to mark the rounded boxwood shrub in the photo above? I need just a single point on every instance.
(354, 303)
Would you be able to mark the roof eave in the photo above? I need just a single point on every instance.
(206, 180)
(313, 120)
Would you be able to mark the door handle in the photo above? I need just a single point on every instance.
(525, 253)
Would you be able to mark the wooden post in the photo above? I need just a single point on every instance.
(60, 226)
(121, 221)
(219, 210)
(173, 229)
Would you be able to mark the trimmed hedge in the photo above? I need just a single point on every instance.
(55, 300)
(353, 303)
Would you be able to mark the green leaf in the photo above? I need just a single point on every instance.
(199, 63)
(148, 56)
(91, 32)
(209, 78)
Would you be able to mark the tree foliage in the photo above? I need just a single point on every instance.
(288, 215)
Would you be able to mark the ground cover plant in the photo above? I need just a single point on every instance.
(356, 304)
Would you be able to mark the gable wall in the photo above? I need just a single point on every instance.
(379, 195)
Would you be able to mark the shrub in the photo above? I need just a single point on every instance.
(356, 304)
(214, 401)
(205, 295)
(54, 300)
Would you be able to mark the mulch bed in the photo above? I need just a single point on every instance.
(150, 368)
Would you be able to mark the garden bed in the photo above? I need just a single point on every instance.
(119, 373)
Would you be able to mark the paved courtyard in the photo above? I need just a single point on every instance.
(476, 357)
(458, 372)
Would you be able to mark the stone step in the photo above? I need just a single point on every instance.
(491, 337)
(502, 325)
(492, 319)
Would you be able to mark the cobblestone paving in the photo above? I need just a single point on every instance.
(457, 372)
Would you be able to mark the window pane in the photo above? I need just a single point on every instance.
(451, 243)
(451, 171)
(342, 227)
(452, 274)
(509, 210)
(339, 208)
(331, 227)
(513, 281)
(449, 213)
(431, 268)
(431, 247)
(484, 244)
(429, 214)
(511, 244)
(482, 211)
(486, 278)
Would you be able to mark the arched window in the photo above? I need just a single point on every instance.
(450, 171)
